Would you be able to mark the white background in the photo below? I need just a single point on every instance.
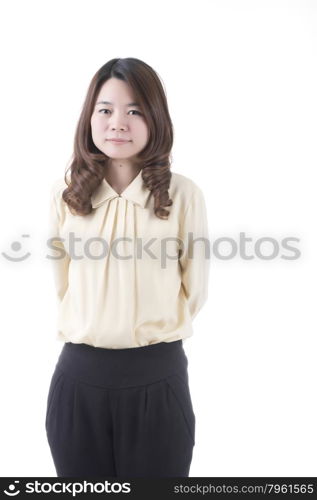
(241, 80)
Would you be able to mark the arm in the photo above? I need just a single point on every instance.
(194, 256)
(59, 257)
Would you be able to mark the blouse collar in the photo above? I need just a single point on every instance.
(136, 192)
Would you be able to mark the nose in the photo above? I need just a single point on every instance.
(122, 127)
(118, 122)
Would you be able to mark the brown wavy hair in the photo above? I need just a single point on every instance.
(88, 163)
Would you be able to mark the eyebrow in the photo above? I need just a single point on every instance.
(108, 102)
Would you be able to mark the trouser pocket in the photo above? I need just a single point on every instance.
(179, 390)
(56, 378)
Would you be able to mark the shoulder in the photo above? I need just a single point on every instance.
(57, 188)
(184, 187)
(56, 195)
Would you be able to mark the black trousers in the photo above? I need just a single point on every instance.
(121, 412)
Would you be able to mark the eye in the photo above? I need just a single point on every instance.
(131, 110)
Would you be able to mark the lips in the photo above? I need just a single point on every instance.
(117, 140)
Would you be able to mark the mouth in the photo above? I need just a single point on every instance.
(119, 141)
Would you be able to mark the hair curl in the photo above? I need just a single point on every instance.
(88, 163)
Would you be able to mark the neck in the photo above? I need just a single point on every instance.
(120, 174)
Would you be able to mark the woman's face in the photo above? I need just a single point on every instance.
(118, 118)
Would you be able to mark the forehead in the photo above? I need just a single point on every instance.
(115, 91)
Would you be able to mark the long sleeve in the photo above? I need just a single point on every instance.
(57, 253)
(194, 257)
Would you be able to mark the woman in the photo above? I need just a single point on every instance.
(129, 282)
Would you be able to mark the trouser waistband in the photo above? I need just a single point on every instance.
(119, 368)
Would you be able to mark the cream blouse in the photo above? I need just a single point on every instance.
(125, 278)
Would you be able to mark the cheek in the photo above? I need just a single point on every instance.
(143, 131)
(96, 124)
